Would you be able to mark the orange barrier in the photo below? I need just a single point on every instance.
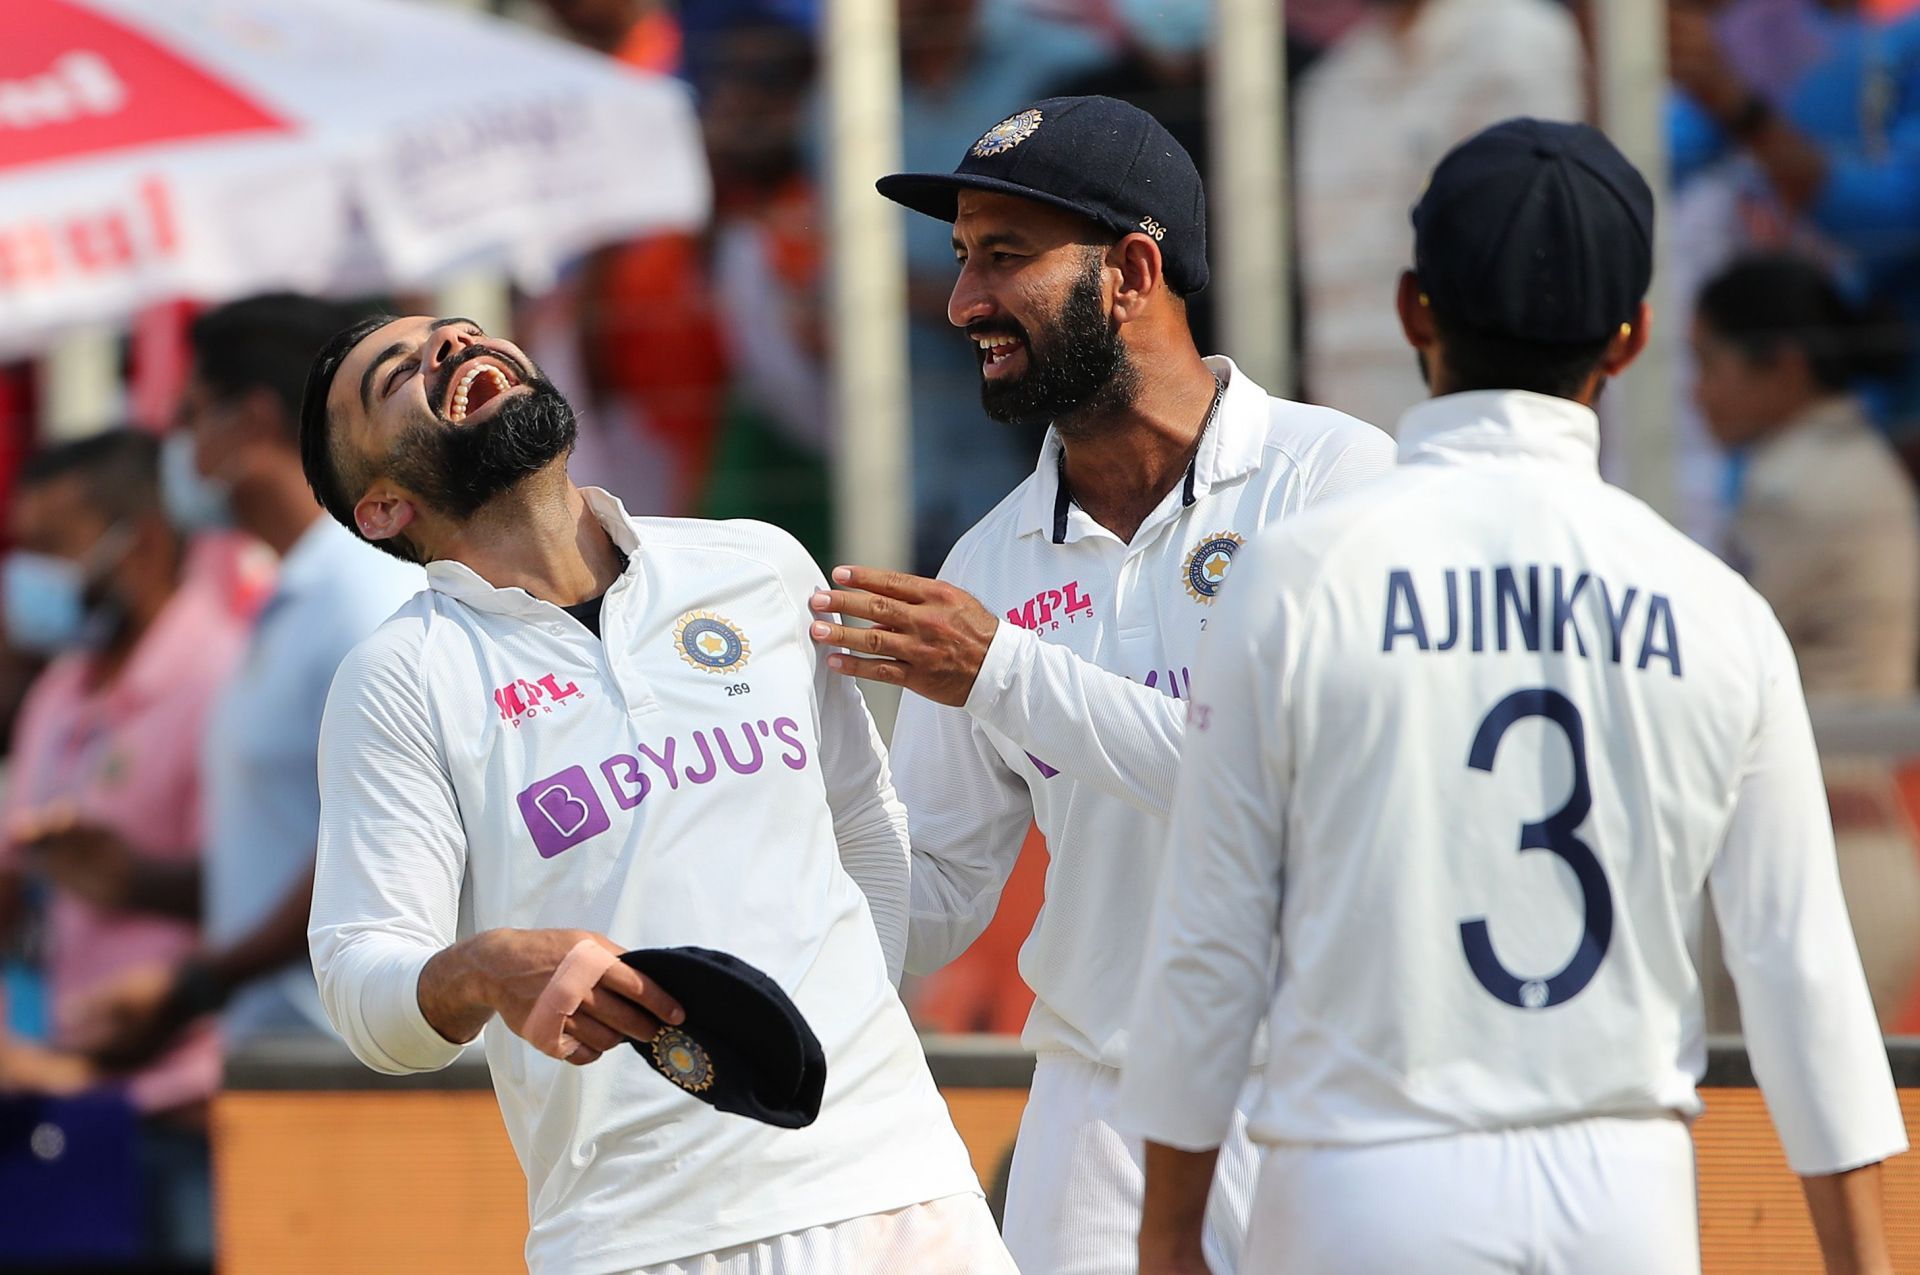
(312, 1182)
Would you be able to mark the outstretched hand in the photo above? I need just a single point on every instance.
(926, 635)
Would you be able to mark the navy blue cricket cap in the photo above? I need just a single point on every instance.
(1535, 231)
(1110, 162)
(744, 1046)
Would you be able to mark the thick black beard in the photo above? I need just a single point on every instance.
(1077, 372)
(455, 470)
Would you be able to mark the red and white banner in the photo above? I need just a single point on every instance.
(204, 149)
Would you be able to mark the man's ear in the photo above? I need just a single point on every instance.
(383, 512)
(1137, 258)
(1628, 342)
(1416, 316)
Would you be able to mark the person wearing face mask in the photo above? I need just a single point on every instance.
(102, 797)
(234, 461)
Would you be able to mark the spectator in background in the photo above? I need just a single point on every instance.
(103, 792)
(963, 61)
(1819, 142)
(641, 33)
(1826, 526)
(1827, 530)
(756, 81)
(1162, 70)
(634, 337)
(234, 460)
(1376, 113)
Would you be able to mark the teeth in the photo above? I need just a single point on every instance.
(457, 411)
(995, 342)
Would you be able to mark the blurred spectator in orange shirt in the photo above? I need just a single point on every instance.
(650, 358)
(756, 79)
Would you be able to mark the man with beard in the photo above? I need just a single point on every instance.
(596, 732)
(1050, 660)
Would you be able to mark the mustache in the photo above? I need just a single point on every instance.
(437, 396)
(995, 327)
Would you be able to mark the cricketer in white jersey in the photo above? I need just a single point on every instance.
(1051, 660)
(604, 730)
(1471, 749)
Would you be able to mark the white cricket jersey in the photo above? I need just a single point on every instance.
(1076, 717)
(1476, 744)
(698, 777)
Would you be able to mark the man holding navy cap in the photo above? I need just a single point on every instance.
(1471, 751)
(594, 788)
(1050, 661)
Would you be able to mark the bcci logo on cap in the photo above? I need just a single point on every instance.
(681, 1059)
(710, 642)
(1007, 134)
(1207, 565)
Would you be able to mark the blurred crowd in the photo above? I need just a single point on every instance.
(174, 605)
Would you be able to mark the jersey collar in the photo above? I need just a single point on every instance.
(1458, 428)
(459, 581)
(1229, 450)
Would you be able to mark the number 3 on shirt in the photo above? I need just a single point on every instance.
(1558, 833)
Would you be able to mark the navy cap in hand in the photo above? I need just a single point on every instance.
(1535, 231)
(744, 1047)
(1110, 162)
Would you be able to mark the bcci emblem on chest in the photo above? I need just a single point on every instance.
(710, 642)
(1206, 568)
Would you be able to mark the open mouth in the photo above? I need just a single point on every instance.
(999, 353)
(477, 385)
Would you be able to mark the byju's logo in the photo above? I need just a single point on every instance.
(562, 811)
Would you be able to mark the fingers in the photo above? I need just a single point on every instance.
(619, 1015)
(877, 607)
(895, 584)
(624, 980)
(592, 1034)
(881, 642)
(892, 672)
(582, 1055)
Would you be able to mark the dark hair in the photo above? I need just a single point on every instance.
(266, 342)
(1764, 304)
(331, 487)
(118, 471)
(1483, 361)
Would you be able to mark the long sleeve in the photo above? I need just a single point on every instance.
(1815, 1046)
(1206, 980)
(1092, 725)
(869, 821)
(392, 859)
(968, 814)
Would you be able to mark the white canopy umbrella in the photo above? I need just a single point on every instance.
(211, 148)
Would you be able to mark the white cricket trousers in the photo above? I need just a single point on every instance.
(1603, 1196)
(952, 1235)
(1074, 1193)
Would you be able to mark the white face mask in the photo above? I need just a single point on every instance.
(193, 502)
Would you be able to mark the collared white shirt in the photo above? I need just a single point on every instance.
(694, 776)
(259, 774)
(1076, 717)
(1469, 749)
(1375, 115)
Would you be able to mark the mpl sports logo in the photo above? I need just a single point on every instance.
(1050, 608)
(521, 699)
